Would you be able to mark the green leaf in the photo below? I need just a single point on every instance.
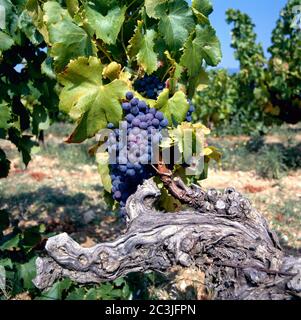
(27, 273)
(6, 42)
(87, 99)
(141, 48)
(32, 236)
(176, 22)
(26, 25)
(92, 294)
(202, 9)
(47, 69)
(25, 145)
(57, 290)
(106, 27)
(150, 7)
(175, 109)
(6, 263)
(67, 40)
(203, 45)
(203, 6)
(40, 119)
(77, 294)
(72, 7)
(5, 115)
(177, 69)
(13, 242)
(102, 158)
(197, 83)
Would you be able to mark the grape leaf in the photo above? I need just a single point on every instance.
(88, 100)
(176, 22)
(106, 27)
(57, 290)
(26, 25)
(141, 48)
(197, 83)
(204, 44)
(35, 10)
(27, 273)
(6, 42)
(202, 9)
(5, 116)
(77, 294)
(72, 7)
(150, 7)
(67, 40)
(102, 158)
(177, 69)
(112, 71)
(11, 243)
(175, 109)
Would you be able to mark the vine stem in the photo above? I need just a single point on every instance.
(103, 50)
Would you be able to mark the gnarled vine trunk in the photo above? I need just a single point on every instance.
(222, 235)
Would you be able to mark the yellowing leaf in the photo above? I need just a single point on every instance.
(102, 158)
(112, 71)
(67, 39)
(88, 100)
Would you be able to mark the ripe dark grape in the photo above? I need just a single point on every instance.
(130, 159)
(149, 86)
(110, 126)
(129, 95)
(190, 111)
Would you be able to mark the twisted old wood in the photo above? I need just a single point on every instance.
(225, 237)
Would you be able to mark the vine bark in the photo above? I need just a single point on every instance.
(220, 233)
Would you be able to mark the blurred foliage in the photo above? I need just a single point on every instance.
(28, 87)
(263, 92)
(19, 249)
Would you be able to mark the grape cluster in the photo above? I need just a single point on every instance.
(131, 147)
(149, 86)
(190, 111)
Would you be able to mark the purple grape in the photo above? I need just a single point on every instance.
(143, 125)
(134, 102)
(129, 118)
(110, 125)
(130, 172)
(164, 123)
(142, 105)
(152, 111)
(159, 115)
(135, 111)
(129, 95)
(136, 122)
(155, 123)
(117, 195)
(126, 106)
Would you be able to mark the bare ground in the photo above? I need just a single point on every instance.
(67, 194)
